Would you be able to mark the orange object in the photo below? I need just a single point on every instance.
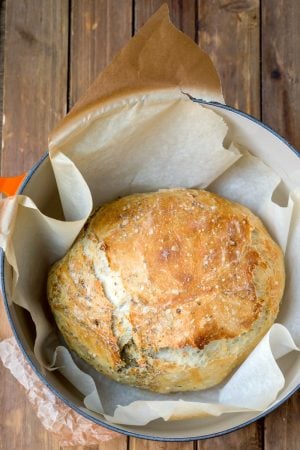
(10, 185)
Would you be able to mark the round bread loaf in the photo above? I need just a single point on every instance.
(168, 291)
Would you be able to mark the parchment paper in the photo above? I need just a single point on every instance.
(70, 428)
(139, 141)
(158, 57)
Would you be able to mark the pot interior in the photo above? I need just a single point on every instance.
(41, 187)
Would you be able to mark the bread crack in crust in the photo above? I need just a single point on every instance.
(168, 291)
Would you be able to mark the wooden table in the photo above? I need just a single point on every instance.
(51, 50)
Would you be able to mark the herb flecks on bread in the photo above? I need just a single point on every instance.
(168, 291)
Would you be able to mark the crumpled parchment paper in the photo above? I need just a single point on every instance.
(70, 428)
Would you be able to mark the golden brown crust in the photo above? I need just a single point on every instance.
(87, 310)
(197, 270)
(190, 254)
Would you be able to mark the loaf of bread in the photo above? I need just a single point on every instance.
(168, 291)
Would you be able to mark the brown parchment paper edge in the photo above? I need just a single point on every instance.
(158, 57)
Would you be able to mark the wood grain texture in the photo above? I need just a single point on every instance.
(99, 29)
(80, 447)
(116, 444)
(281, 110)
(248, 438)
(35, 79)
(183, 14)
(139, 444)
(281, 67)
(229, 32)
(211, 15)
(20, 429)
(282, 426)
(35, 75)
(2, 33)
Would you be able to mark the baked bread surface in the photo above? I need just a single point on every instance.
(168, 291)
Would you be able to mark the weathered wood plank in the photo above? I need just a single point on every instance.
(116, 444)
(79, 447)
(249, 438)
(282, 426)
(35, 79)
(281, 110)
(35, 75)
(228, 31)
(183, 14)
(139, 444)
(281, 67)
(2, 32)
(99, 30)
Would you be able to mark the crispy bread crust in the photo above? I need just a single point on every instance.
(168, 291)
